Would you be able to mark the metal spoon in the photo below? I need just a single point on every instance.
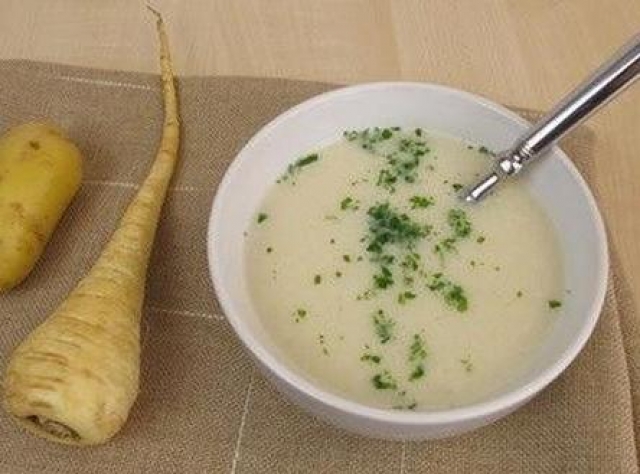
(605, 83)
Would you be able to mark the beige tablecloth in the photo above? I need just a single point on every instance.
(202, 407)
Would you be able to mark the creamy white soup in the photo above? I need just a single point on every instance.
(379, 284)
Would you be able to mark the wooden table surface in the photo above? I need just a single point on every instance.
(518, 52)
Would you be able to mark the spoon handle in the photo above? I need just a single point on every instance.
(603, 85)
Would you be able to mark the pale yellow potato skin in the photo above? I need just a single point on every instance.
(40, 172)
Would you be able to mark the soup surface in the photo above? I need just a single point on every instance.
(378, 283)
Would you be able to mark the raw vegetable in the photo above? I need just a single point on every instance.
(40, 172)
(75, 378)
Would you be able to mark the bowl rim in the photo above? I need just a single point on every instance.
(496, 404)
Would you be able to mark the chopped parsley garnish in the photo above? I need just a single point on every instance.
(346, 258)
(445, 246)
(417, 350)
(467, 364)
(401, 164)
(321, 340)
(418, 372)
(338, 274)
(461, 229)
(372, 358)
(384, 279)
(384, 381)
(294, 168)
(409, 406)
(384, 326)
(421, 202)
(387, 227)
(262, 217)
(519, 294)
(317, 279)
(417, 355)
(307, 160)
(481, 239)
(485, 151)
(459, 223)
(553, 304)
(349, 203)
(457, 187)
(406, 296)
(453, 294)
(410, 261)
(269, 249)
(299, 314)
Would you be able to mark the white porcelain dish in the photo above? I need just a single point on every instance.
(555, 183)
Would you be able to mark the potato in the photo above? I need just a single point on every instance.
(40, 172)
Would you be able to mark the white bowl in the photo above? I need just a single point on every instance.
(555, 183)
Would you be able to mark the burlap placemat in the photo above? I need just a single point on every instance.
(203, 408)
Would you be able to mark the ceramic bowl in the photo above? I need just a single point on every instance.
(554, 182)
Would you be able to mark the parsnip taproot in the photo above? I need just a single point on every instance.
(75, 377)
(40, 172)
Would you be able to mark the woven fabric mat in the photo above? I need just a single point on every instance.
(203, 408)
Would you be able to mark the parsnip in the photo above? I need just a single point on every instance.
(75, 378)
(40, 172)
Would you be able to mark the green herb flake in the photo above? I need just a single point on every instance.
(481, 239)
(418, 349)
(269, 249)
(349, 203)
(317, 279)
(384, 326)
(421, 202)
(338, 274)
(406, 296)
(554, 304)
(453, 294)
(484, 150)
(384, 279)
(388, 226)
(262, 217)
(467, 364)
(307, 160)
(459, 223)
(457, 187)
(300, 314)
(456, 298)
(346, 258)
(294, 168)
(519, 294)
(401, 165)
(417, 355)
(418, 373)
(384, 381)
(445, 246)
(371, 358)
